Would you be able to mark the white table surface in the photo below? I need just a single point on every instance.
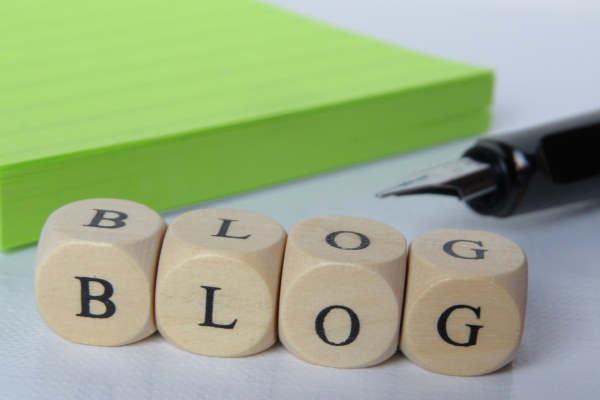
(546, 57)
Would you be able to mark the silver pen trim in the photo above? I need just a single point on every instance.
(464, 178)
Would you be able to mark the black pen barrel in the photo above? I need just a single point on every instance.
(539, 169)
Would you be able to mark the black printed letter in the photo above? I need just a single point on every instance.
(474, 329)
(208, 314)
(225, 227)
(103, 298)
(354, 325)
(450, 251)
(364, 241)
(117, 221)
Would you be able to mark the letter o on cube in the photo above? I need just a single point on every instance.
(95, 271)
(465, 302)
(342, 290)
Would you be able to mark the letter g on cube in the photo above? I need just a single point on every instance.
(466, 292)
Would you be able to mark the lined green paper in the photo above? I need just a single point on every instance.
(170, 103)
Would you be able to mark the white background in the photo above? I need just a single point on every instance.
(547, 63)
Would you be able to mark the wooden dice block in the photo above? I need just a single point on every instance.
(95, 271)
(342, 290)
(218, 282)
(465, 302)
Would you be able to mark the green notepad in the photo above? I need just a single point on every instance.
(170, 103)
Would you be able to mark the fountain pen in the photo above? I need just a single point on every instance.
(516, 173)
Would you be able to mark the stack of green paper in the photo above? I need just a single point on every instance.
(170, 103)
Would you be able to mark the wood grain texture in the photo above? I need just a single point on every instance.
(342, 290)
(465, 302)
(218, 282)
(95, 271)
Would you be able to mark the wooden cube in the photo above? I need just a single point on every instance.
(95, 271)
(342, 290)
(465, 302)
(218, 282)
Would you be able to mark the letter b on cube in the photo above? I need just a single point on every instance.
(95, 271)
(342, 290)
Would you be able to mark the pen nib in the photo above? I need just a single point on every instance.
(464, 178)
